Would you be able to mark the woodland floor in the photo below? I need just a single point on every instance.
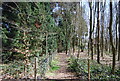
(63, 72)
(106, 59)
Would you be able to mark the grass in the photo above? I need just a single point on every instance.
(54, 65)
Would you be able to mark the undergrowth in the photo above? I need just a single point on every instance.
(97, 71)
(54, 65)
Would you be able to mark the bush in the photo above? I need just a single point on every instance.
(98, 71)
(14, 69)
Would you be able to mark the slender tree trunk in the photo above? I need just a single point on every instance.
(98, 50)
(73, 44)
(102, 42)
(90, 37)
(58, 48)
(94, 43)
(73, 38)
(78, 47)
(66, 46)
(106, 48)
(88, 48)
(111, 39)
(116, 36)
(119, 34)
(66, 37)
(102, 33)
(109, 47)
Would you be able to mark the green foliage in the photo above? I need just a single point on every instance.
(14, 68)
(23, 40)
(54, 68)
(23, 34)
(72, 63)
(54, 65)
(98, 71)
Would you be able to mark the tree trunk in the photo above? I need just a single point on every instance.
(90, 37)
(58, 48)
(66, 37)
(66, 46)
(73, 44)
(111, 39)
(102, 32)
(119, 34)
(94, 34)
(102, 41)
(98, 50)
(88, 48)
(106, 46)
(78, 47)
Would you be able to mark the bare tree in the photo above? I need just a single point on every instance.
(90, 33)
(111, 39)
(94, 34)
(102, 30)
(116, 27)
(98, 34)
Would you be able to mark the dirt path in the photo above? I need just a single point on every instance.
(63, 72)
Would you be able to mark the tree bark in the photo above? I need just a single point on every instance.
(90, 37)
(98, 32)
(119, 34)
(58, 48)
(102, 32)
(78, 47)
(66, 46)
(94, 34)
(111, 39)
(116, 41)
(106, 46)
